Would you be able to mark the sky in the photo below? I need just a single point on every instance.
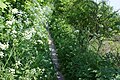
(115, 4)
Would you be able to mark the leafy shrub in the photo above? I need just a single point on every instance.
(79, 65)
(24, 49)
(72, 29)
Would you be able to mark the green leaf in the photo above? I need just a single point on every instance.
(1, 26)
(2, 5)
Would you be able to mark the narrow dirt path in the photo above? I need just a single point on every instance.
(54, 56)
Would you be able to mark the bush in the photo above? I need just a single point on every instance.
(24, 49)
(77, 64)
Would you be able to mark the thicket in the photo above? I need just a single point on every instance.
(78, 23)
(24, 49)
(78, 29)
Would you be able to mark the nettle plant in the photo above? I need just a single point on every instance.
(24, 50)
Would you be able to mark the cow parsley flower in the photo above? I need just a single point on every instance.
(109, 29)
(76, 31)
(40, 41)
(10, 22)
(14, 11)
(43, 69)
(18, 63)
(33, 71)
(45, 75)
(1, 54)
(4, 46)
(29, 33)
(12, 70)
(33, 30)
(14, 31)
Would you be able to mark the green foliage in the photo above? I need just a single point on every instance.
(79, 65)
(2, 5)
(24, 49)
(75, 23)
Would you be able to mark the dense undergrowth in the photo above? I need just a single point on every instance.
(75, 29)
(24, 49)
(79, 29)
(79, 65)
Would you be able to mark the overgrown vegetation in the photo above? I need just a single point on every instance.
(80, 30)
(24, 50)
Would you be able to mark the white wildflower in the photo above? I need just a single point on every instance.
(14, 11)
(20, 12)
(40, 41)
(35, 42)
(14, 36)
(4, 46)
(43, 69)
(27, 21)
(102, 38)
(12, 70)
(49, 41)
(33, 70)
(1, 54)
(101, 26)
(76, 31)
(45, 75)
(109, 29)
(50, 62)
(14, 31)
(9, 22)
(18, 63)
(33, 30)
(28, 36)
(50, 49)
(40, 77)
(29, 33)
(99, 15)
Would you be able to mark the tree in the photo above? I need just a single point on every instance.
(73, 25)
